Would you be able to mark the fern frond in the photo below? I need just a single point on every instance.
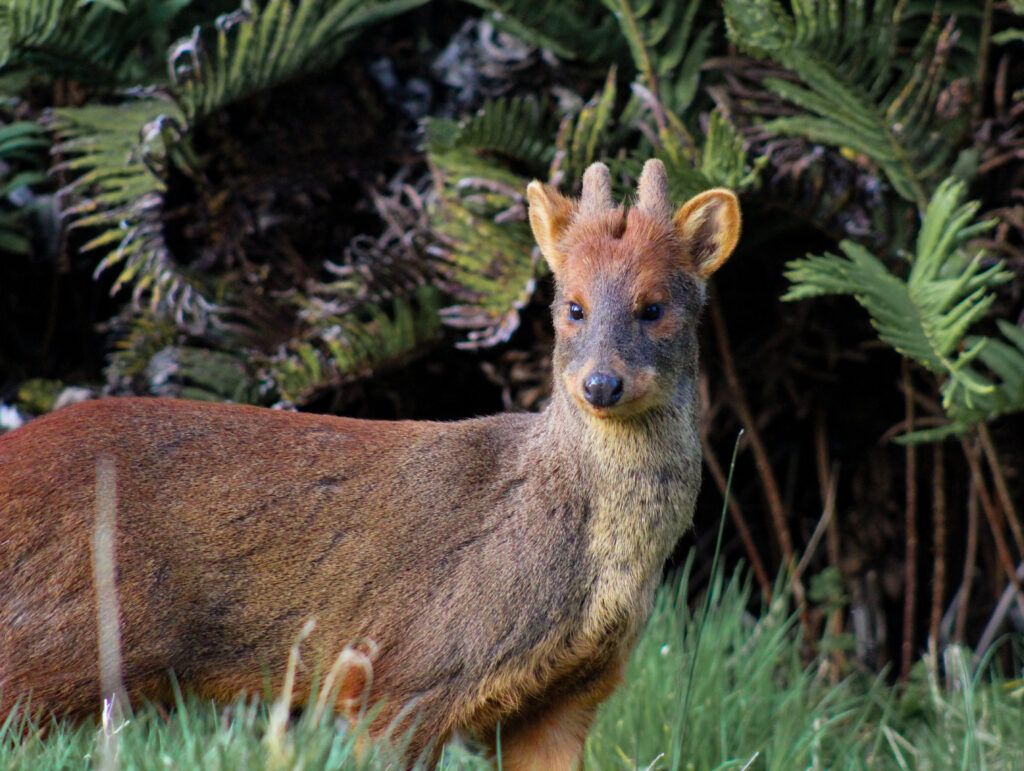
(258, 47)
(721, 161)
(340, 347)
(89, 41)
(491, 269)
(115, 152)
(1004, 360)
(518, 130)
(667, 49)
(21, 166)
(853, 91)
(31, 24)
(724, 161)
(480, 217)
(926, 317)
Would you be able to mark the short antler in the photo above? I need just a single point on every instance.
(652, 191)
(597, 191)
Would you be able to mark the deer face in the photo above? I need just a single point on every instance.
(629, 286)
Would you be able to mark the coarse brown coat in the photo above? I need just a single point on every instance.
(499, 568)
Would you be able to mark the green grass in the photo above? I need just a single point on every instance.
(742, 699)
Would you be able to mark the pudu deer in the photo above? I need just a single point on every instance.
(501, 568)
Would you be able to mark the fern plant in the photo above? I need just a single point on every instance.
(20, 169)
(485, 162)
(854, 90)
(258, 47)
(117, 156)
(98, 41)
(667, 49)
(120, 157)
(926, 315)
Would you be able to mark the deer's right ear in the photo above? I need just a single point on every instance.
(550, 214)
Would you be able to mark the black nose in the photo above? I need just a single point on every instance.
(602, 390)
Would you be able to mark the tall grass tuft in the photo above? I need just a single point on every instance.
(755, 703)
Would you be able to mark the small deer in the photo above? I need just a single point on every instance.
(500, 568)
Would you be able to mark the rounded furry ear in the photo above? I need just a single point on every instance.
(709, 226)
(550, 214)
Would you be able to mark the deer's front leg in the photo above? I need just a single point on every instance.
(552, 738)
(549, 741)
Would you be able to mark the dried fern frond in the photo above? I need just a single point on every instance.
(480, 218)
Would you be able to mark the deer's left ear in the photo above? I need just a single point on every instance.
(709, 225)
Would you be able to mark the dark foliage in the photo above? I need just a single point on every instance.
(320, 205)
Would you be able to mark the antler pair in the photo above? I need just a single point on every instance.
(652, 191)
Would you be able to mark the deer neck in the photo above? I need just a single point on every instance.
(643, 475)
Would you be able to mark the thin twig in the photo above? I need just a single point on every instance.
(1002, 549)
(834, 626)
(738, 521)
(983, 52)
(819, 530)
(910, 562)
(970, 560)
(1002, 489)
(764, 467)
(938, 540)
(997, 618)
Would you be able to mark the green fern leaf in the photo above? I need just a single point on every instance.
(489, 267)
(667, 51)
(486, 250)
(518, 130)
(259, 47)
(926, 317)
(95, 42)
(115, 152)
(853, 89)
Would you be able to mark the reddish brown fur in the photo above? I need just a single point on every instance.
(501, 568)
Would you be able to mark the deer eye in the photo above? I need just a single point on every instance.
(652, 312)
(575, 312)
